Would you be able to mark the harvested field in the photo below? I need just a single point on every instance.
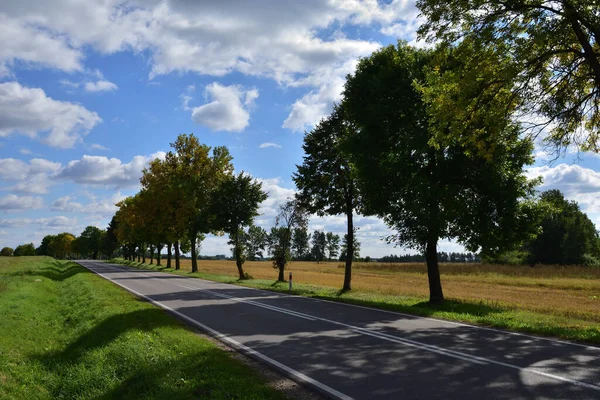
(571, 291)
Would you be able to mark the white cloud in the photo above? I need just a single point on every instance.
(316, 104)
(31, 178)
(29, 43)
(575, 182)
(101, 208)
(97, 146)
(59, 222)
(100, 86)
(185, 101)
(225, 112)
(24, 151)
(13, 202)
(269, 144)
(104, 171)
(30, 112)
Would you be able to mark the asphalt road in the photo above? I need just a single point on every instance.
(351, 352)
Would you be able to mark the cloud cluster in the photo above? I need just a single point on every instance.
(269, 144)
(576, 182)
(100, 86)
(289, 42)
(28, 111)
(59, 222)
(97, 208)
(227, 110)
(13, 202)
(29, 178)
(104, 171)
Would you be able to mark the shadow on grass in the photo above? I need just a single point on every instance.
(57, 271)
(165, 366)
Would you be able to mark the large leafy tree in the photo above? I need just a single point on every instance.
(170, 216)
(110, 242)
(236, 205)
(428, 193)
(198, 175)
(355, 248)
(291, 216)
(61, 245)
(6, 251)
(325, 180)
(89, 241)
(300, 243)
(25, 250)
(567, 233)
(332, 245)
(256, 241)
(319, 246)
(553, 54)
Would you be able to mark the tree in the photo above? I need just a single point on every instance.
(6, 252)
(553, 54)
(332, 245)
(426, 192)
(326, 179)
(236, 205)
(25, 250)
(300, 246)
(197, 175)
(355, 248)
(256, 241)
(44, 248)
(90, 241)
(109, 242)
(291, 215)
(567, 233)
(61, 245)
(319, 245)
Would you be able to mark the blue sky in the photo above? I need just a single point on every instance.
(91, 91)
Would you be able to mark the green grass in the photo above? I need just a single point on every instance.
(66, 333)
(477, 313)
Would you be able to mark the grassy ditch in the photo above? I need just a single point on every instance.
(536, 307)
(66, 333)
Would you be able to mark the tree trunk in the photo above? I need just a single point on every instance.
(238, 256)
(143, 251)
(436, 296)
(139, 256)
(151, 254)
(194, 255)
(349, 250)
(177, 255)
(169, 255)
(281, 277)
(158, 250)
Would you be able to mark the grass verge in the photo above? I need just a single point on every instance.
(66, 333)
(481, 313)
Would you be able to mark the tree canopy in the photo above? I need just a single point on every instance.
(551, 54)
(425, 192)
(326, 180)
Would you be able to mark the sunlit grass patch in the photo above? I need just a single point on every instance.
(67, 333)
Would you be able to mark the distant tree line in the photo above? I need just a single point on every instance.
(441, 257)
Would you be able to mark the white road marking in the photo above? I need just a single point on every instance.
(395, 339)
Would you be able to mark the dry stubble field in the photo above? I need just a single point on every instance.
(570, 291)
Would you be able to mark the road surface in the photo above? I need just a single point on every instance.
(351, 352)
